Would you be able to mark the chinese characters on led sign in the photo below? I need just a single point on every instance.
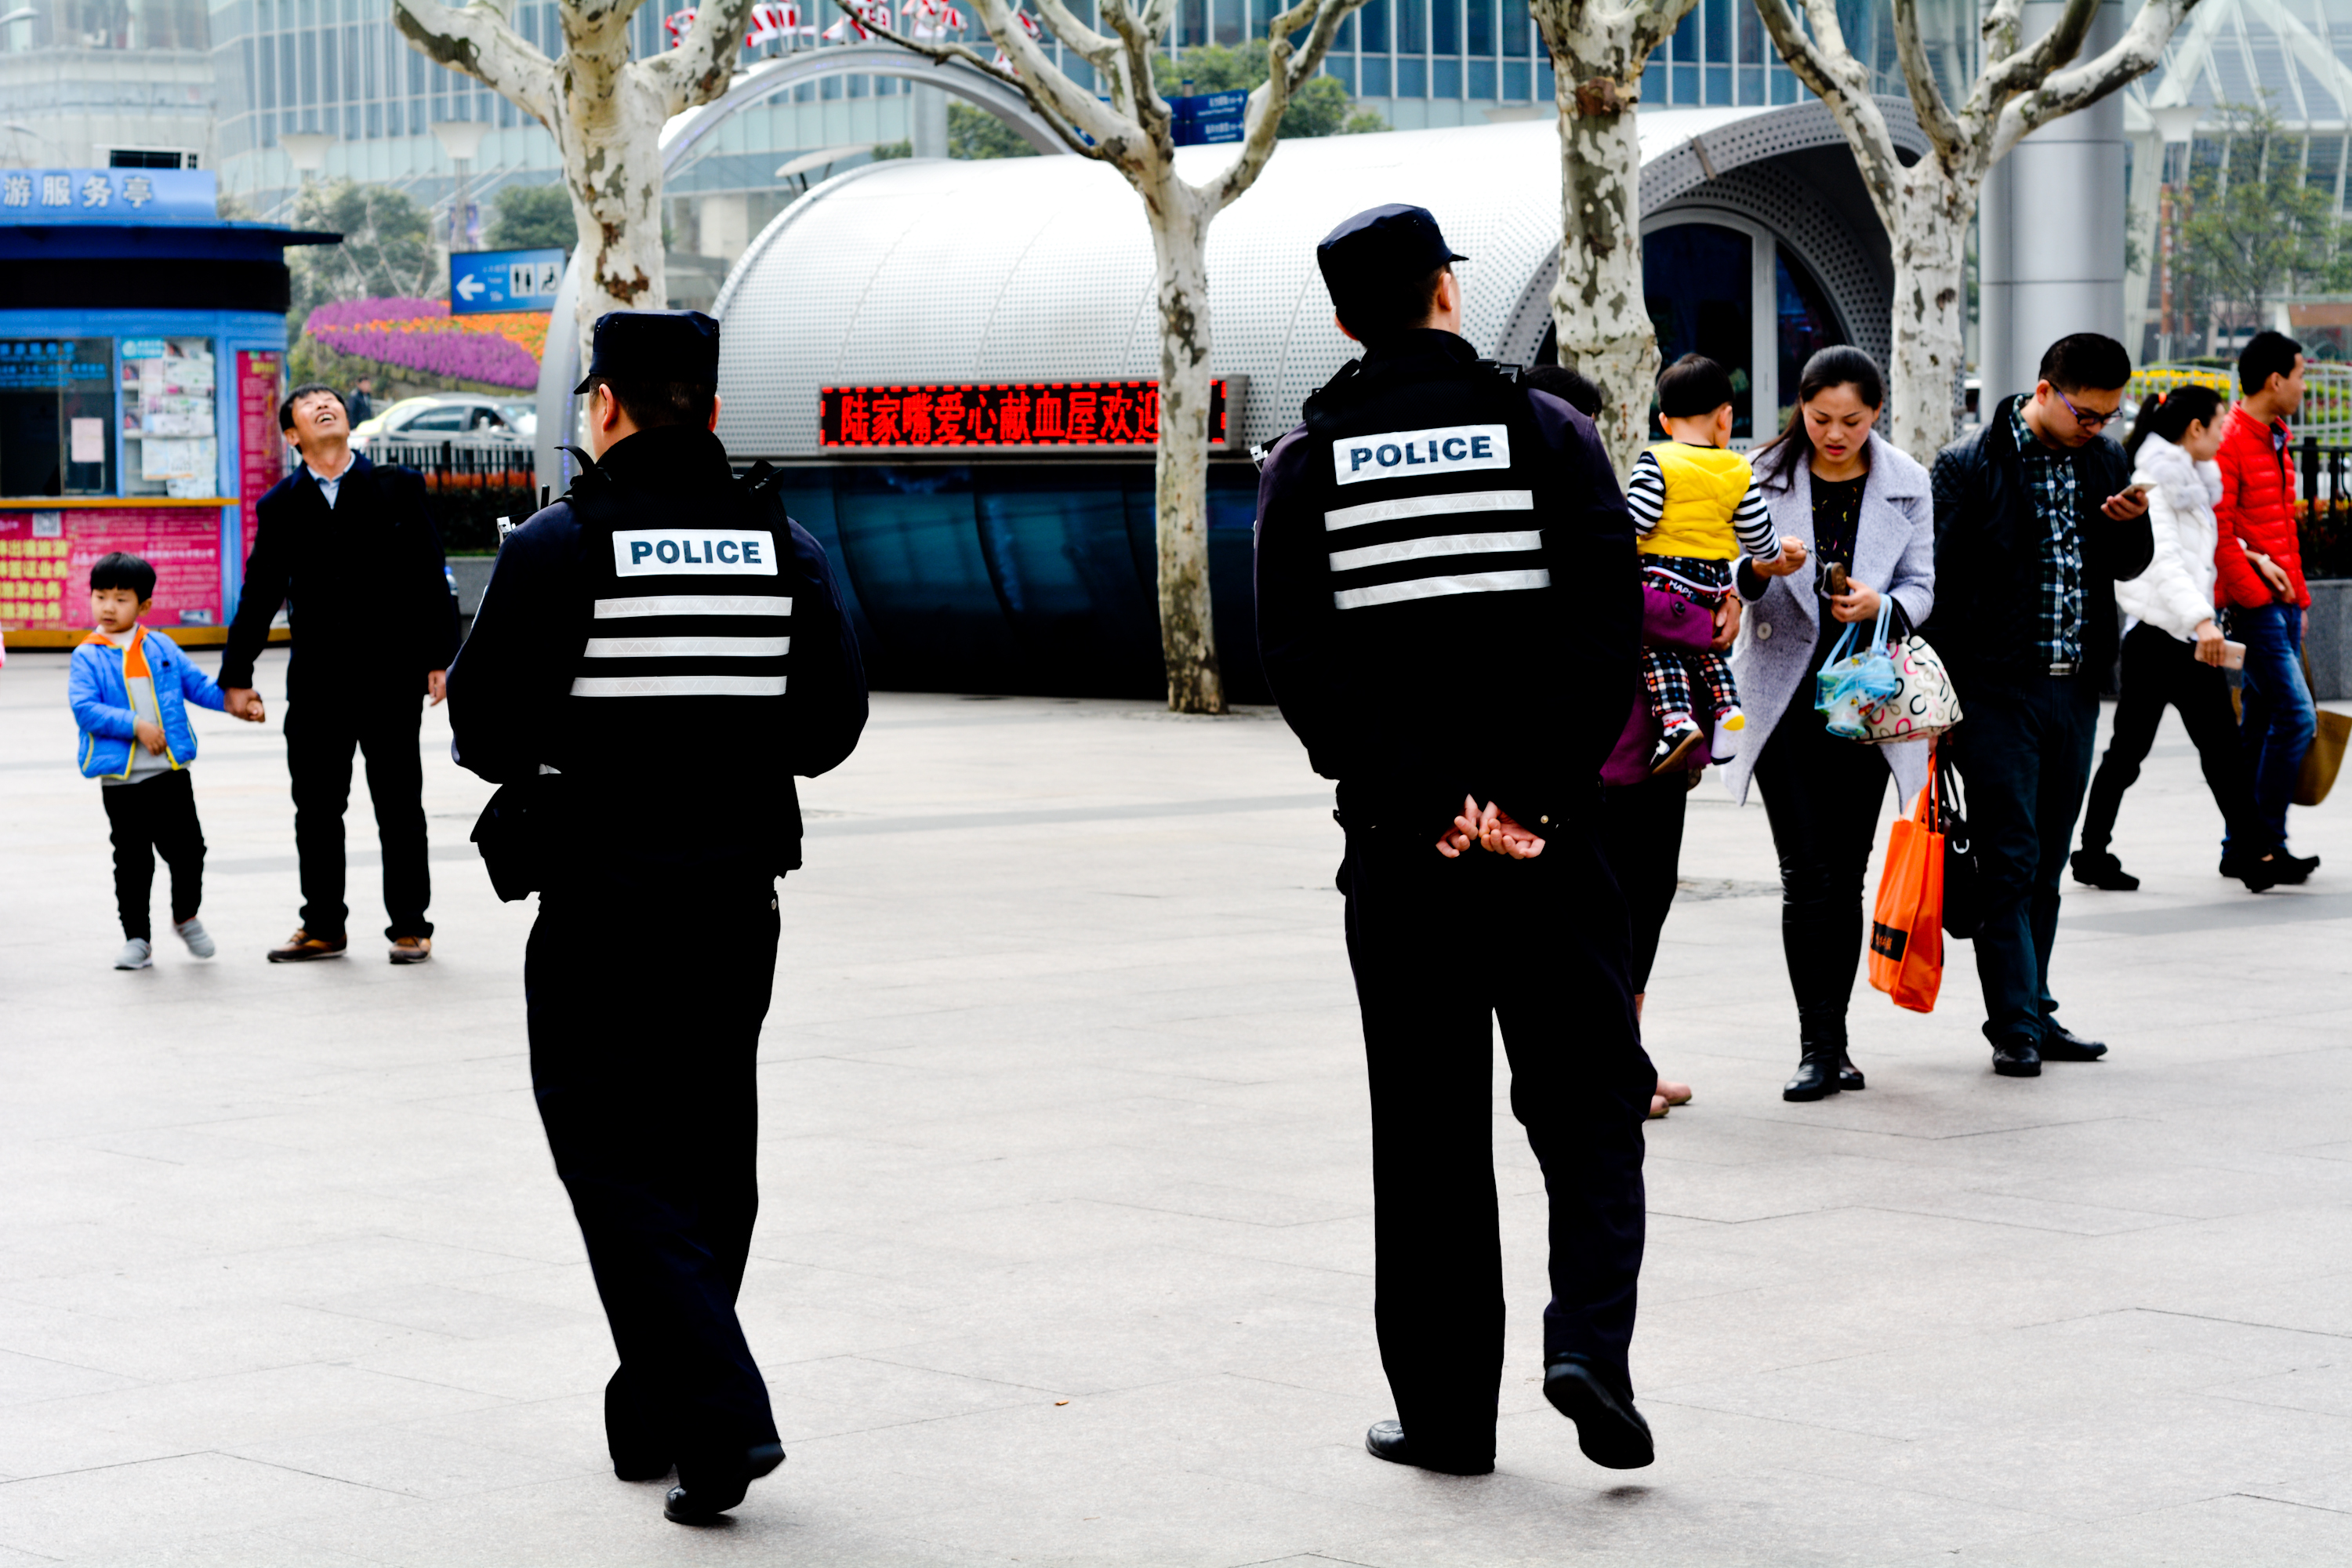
(1057, 413)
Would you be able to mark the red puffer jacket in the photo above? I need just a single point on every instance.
(2257, 512)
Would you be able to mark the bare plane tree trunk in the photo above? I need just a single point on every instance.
(1598, 53)
(1927, 208)
(1131, 127)
(605, 112)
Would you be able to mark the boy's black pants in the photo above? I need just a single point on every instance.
(155, 816)
(1443, 951)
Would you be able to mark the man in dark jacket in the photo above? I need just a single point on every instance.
(354, 550)
(1449, 612)
(2033, 528)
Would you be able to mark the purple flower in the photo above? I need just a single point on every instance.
(463, 356)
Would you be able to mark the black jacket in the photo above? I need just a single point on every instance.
(1515, 698)
(510, 708)
(1988, 553)
(366, 580)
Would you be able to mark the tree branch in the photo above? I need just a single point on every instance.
(1289, 69)
(1089, 46)
(1926, 99)
(1652, 23)
(1831, 74)
(479, 41)
(2137, 53)
(700, 69)
(1049, 92)
(2023, 70)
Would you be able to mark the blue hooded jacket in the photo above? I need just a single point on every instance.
(101, 696)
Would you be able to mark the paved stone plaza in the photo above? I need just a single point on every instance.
(1065, 1254)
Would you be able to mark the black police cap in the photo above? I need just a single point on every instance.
(653, 345)
(1381, 248)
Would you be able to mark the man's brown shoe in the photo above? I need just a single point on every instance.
(411, 950)
(302, 947)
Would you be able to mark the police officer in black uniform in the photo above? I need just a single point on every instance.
(1449, 612)
(657, 656)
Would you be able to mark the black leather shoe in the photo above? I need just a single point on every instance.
(2103, 870)
(1386, 1440)
(2059, 1044)
(2281, 870)
(2293, 871)
(706, 1491)
(1817, 1075)
(1608, 1428)
(2017, 1057)
(1849, 1075)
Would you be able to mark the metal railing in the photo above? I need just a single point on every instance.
(2323, 507)
(2326, 412)
(473, 484)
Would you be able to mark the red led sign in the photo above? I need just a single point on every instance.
(1057, 413)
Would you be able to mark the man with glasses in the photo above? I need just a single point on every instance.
(2033, 529)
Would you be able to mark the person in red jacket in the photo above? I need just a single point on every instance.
(2261, 566)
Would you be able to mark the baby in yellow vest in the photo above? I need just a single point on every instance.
(1697, 508)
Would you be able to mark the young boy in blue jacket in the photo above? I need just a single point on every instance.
(130, 693)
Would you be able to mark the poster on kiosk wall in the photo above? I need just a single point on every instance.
(45, 558)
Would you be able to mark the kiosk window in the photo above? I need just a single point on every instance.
(169, 443)
(56, 416)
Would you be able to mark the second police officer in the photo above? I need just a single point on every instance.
(1449, 612)
(657, 656)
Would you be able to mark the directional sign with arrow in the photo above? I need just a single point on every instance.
(504, 281)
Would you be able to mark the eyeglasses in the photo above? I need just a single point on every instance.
(2089, 422)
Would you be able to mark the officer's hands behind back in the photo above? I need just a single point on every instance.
(1492, 829)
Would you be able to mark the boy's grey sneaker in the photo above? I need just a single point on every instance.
(136, 954)
(199, 940)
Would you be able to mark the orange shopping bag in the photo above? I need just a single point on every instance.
(1906, 929)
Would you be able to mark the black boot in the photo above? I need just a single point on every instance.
(1817, 1071)
(2100, 868)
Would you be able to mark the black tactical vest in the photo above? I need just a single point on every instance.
(1433, 485)
(689, 636)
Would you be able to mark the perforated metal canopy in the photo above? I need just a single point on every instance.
(934, 272)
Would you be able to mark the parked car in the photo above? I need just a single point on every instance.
(523, 418)
(458, 417)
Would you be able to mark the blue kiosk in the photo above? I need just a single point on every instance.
(142, 349)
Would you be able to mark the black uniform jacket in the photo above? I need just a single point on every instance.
(369, 588)
(696, 799)
(1989, 543)
(1453, 697)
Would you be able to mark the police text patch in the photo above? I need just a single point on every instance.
(710, 552)
(1402, 454)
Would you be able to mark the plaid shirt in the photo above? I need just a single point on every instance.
(2050, 479)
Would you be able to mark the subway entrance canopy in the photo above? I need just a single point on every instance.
(1028, 565)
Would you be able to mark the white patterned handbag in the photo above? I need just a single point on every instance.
(1923, 704)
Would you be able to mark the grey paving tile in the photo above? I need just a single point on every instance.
(153, 1506)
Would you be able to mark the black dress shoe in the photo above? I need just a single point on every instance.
(1849, 1075)
(2103, 870)
(2059, 1044)
(1386, 1440)
(1608, 1428)
(2016, 1056)
(708, 1491)
(2281, 870)
(1817, 1073)
(2295, 870)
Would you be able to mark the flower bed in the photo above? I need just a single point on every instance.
(499, 348)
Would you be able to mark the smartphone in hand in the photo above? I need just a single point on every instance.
(1834, 581)
(2233, 654)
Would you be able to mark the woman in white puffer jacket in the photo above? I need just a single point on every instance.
(2173, 650)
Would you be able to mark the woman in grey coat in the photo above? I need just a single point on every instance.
(1861, 507)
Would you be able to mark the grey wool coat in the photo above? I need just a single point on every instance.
(1894, 552)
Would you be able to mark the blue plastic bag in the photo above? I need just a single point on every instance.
(1857, 673)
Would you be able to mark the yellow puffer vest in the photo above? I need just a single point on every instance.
(1705, 485)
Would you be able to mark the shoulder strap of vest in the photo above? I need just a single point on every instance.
(591, 488)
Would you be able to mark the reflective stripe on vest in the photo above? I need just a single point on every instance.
(716, 634)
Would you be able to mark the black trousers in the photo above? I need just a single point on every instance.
(643, 1072)
(320, 741)
(1641, 837)
(1443, 949)
(2023, 752)
(2161, 669)
(156, 816)
(1821, 797)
